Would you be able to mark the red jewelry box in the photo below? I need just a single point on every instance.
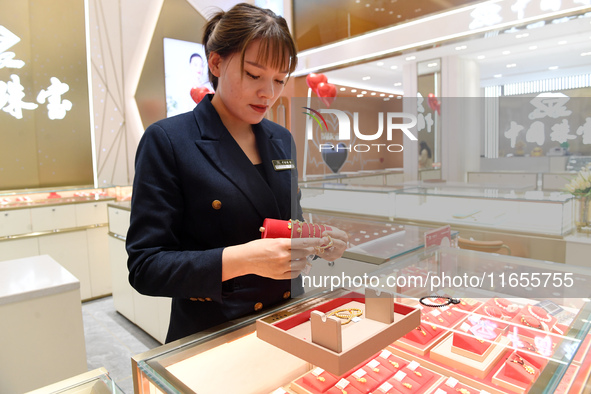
(275, 228)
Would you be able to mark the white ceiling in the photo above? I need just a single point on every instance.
(518, 55)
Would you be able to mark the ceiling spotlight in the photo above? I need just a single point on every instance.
(366, 78)
(498, 75)
(364, 92)
(359, 95)
(380, 64)
(390, 95)
(480, 57)
(398, 84)
(342, 89)
(373, 93)
(461, 47)
(506, 52)
(411, 58)
(523, 35)
(393, 67)
(353, 90)
(382, 94)
(585, 53)
(553, 68)
(533, 47)
(511, 65)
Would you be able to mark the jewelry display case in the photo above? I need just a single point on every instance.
(389, 176)
(505, 208)
(70, 224)
(96, 381)
(508, 209)
(537, 343)
(371, 244)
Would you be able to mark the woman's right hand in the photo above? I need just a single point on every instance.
(276, 258)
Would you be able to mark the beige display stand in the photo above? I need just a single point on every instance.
(325, 342)
(42, 337)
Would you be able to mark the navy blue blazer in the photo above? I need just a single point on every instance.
(195, 192)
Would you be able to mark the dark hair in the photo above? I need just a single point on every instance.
(230, 32)
(423, 145)
(195, 55)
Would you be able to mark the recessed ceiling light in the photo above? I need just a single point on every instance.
(382, 94)
(342, 89)
(366, 78)
(386, 99)
(511, 65)
(411, 58)
(358, 1)
(498, 75)
(562, 42)
(533, 47)
(379, 64)
(435, 64)
(363, 91)
(506, 52)
(398, 84)
(393, 67)
(461, 47)
(373, 93)
(359, 95)
(353, 90)
(553, 68)
(367, 5)
(522, 35)
(390, 95)
(480, 57)
(585, 53)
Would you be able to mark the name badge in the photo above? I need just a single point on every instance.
(285, 164)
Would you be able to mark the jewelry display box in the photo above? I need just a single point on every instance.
(321, 339)
(480, 348)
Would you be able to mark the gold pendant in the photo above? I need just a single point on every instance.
(529, 369)
(407, 385)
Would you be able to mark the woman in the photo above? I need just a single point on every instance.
(205, 181)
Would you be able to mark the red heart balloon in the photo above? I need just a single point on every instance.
(434, 104)
(327, 93)
(314, 79)
(198, 92)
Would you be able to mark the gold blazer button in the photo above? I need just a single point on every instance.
(216, 204)
(258, 306)
(286, 295)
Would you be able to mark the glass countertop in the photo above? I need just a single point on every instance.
(374, 241)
